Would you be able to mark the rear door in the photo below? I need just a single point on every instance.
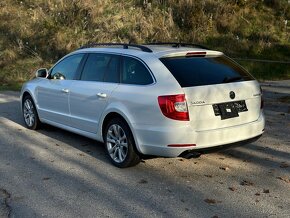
(53, 93)
(219, 92)
(90, 94)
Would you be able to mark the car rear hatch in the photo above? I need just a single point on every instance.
(219, 92)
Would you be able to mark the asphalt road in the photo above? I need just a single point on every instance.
(54, 173)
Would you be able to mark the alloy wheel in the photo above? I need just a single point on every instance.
(28, 112)
(117, 143)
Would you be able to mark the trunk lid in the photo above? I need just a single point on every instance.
(201, 99)
(219, 92)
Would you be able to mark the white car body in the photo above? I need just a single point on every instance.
(82, 106)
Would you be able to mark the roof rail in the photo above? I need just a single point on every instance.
(177, 44)
(125, 46)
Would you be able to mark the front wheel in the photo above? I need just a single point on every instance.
(29, 113)
(120, 144)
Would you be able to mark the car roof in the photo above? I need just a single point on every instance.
(156, 50)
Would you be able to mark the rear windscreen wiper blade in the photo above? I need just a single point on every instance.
(232, 79)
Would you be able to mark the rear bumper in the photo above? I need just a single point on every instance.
(222, 147)
(155, 140)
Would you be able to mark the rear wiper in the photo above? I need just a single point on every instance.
(232, 79)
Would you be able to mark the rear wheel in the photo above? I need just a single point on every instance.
(120, 144)
(29, 112)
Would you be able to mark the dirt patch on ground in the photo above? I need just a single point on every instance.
(284, 99)
(4, 206)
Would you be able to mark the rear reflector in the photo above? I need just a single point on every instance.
(174, 107)
(196, 54)
(262, 98)
(181, 145)
(262, 102)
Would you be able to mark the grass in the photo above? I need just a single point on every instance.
(267, 71)
(12, 76)
(14, 86)
(34, 33)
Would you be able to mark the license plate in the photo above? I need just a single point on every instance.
(229, 109)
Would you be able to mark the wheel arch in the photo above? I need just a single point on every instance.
(116, 114)
(23, 95)
(28, 92)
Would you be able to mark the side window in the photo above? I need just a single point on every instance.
(95, 67)
(134, 72)
(112, 72)
(66, 69)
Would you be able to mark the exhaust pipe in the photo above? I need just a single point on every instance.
(190, 154)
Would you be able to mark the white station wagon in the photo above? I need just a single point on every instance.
(162, 99)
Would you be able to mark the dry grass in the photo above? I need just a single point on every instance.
(46, 30)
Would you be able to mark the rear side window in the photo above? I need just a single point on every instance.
(134, 72)
(95, 67)
(199, 71)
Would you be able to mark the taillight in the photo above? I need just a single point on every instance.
(174, 107)
(262, 98)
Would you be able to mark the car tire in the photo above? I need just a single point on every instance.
(120, 144)
(29, 113)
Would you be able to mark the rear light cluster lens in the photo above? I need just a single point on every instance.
(174, 107)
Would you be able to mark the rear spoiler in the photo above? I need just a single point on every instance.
(189, 53)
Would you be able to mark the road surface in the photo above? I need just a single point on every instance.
(54, 173)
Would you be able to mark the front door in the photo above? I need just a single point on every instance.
(53, 93)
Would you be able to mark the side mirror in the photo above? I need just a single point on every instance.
(41, 73)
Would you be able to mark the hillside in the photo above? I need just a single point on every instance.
(35, 33)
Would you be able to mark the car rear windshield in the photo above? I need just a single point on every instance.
(199, 71)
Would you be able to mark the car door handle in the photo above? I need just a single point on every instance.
(65, 90)
(102, 95)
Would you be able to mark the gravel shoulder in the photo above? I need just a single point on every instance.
(54, 173)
